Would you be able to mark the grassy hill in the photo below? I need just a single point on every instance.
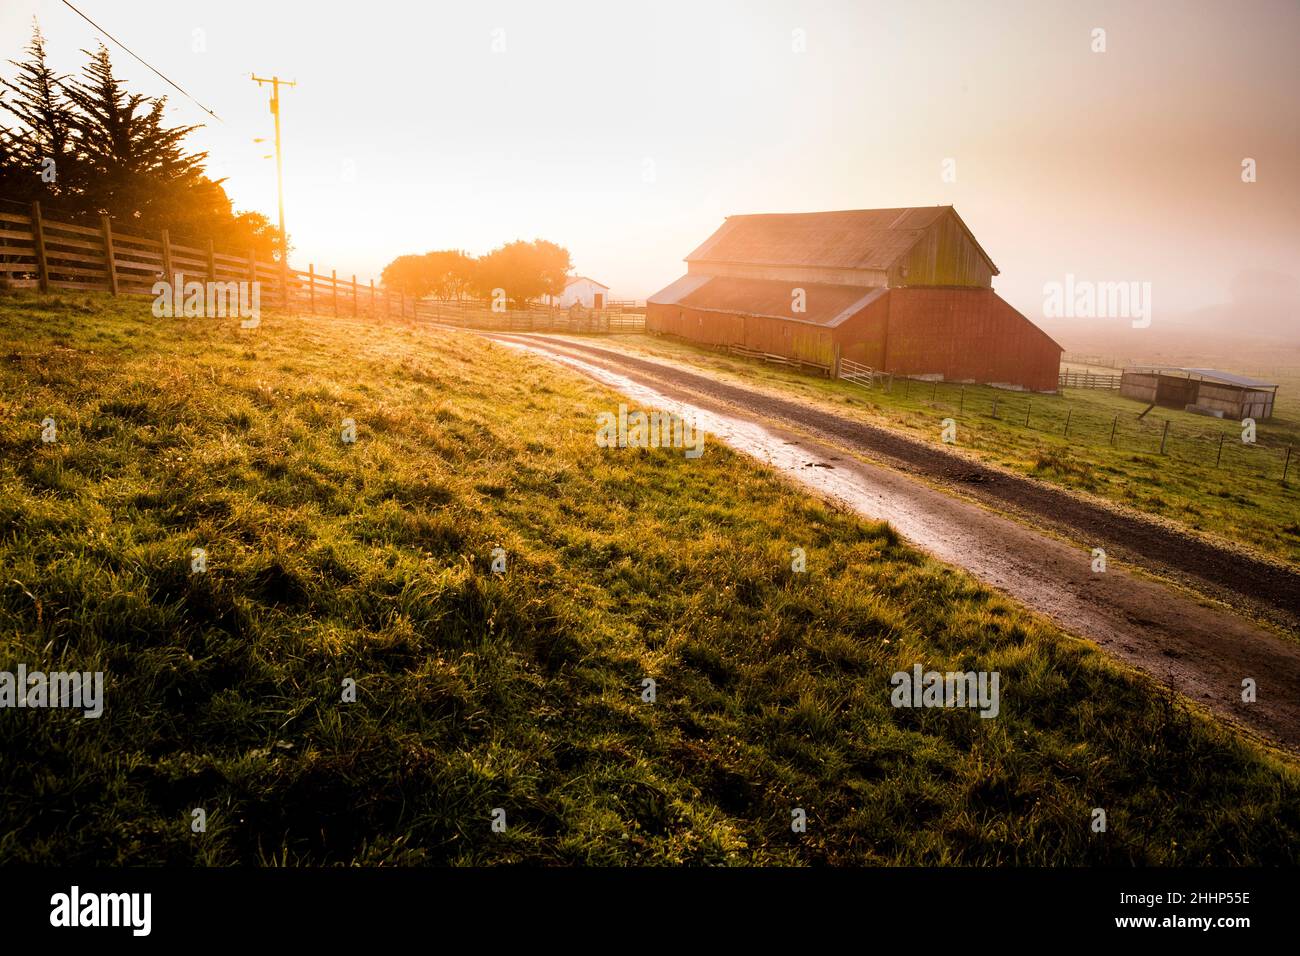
(371, 561)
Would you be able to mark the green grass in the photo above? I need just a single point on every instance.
(520, 691)
(1241, 500)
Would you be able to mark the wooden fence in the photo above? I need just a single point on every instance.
(769, 357)
(41, 253)
(1082, 378)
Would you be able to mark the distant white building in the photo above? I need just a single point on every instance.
(579, 290)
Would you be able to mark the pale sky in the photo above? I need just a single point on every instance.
(626, 132)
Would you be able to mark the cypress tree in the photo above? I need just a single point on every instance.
(39, 160)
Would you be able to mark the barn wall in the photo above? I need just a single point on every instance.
(1222, 398)
(582, 292)
(794, 340)
(1235, 401)
(1138, 386)
(861, 337)
(859, 277)
(944, 256)
(961, 334)
(968, 335)
(709, 328)
(1258, 404)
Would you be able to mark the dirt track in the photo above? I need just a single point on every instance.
(1202, 649)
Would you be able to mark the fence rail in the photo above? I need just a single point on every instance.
(769, 357)
(1076, 378)
(37, 252)
(860, 374)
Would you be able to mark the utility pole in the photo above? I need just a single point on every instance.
(276, 83)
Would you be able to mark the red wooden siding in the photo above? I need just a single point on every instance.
(961, 334)
(968, 334)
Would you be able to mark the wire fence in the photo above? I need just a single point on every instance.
(1230, 446)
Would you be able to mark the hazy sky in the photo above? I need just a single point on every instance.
(626, 132)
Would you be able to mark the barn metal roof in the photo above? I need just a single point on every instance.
(672, 293)
(827, 305)
(849, 239)
(1208, 374)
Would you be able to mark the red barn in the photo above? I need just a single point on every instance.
(907, 291)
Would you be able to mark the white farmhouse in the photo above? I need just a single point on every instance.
(579, 290)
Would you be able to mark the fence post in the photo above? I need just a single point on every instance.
(1219, 457)
(934, 390)
(1113, 426)
(212, 262)
(168, 272)
(1287, 464)
(907, 389)
(995, 408)
(1029, 407)
(962, 407)
(110, 257)
(334, 291)
(1069, 413)
(311, 286)
(354, 296)
(1163, 436)
(38, 237)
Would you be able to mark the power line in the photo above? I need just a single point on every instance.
(142, 60)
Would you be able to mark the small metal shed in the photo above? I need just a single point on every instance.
(1208, 390)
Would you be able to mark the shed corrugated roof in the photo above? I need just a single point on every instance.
(827, 305)
(850, 239)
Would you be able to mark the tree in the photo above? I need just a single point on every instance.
(450, 272)
(40, 159)
(136, 168)
(523, 271)
(114, 153)
(445, 274)
(407, 274)
(245, 230)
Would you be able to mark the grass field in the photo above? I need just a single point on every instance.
(1235, 495)
(523, 691)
